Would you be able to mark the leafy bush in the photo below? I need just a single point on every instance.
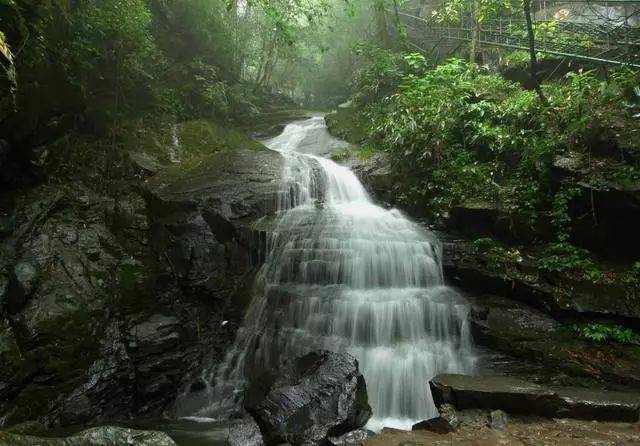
(493, 255)
(563, 257)
(604, 333)
(379, 77)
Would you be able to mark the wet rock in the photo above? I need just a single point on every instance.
(498, 420)
(202, 216)
(545, 347)
(145, 163)
(525, 282)
(22, 285)
(131, 288)
(4, 292)
(438, 425)
(99, 436)
(245, 433)
(521, 397)
(354, 438)
(159, 359)
(111, 377)
(375, 173)
(319, 395)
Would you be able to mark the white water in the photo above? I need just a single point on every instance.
(345, 274)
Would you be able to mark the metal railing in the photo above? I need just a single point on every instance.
(605, 32)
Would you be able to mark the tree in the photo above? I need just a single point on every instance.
(479, 11)
(533, 59)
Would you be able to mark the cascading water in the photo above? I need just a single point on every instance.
(344, 274)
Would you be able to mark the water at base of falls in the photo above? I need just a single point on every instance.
(347, 275)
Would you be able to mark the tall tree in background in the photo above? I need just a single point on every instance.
(533, 59)
(479, 11)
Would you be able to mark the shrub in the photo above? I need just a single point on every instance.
(604, 333)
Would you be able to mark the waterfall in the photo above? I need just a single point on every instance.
(344, 274)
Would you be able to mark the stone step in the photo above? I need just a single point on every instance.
(522, 397)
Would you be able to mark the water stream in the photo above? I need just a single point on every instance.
(345, 274)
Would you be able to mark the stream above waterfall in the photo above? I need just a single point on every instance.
(344, 274)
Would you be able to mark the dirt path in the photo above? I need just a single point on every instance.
(522, 433)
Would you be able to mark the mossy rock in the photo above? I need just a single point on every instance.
(102, 436)
(201, 138)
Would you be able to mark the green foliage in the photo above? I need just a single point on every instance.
(457, 133)
(606, 333)
(464, 134)
(495, 256)
(590, 110)
(563, 257)
(112, 52)
(453, 10)
(379, 77)
(561, 217)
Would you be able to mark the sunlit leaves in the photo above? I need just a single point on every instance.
(453, 10)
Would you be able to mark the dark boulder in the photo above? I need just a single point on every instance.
(439, 425)
(319, 395)
(522, 397)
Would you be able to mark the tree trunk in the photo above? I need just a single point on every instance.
(533, 65)
(475, 31)
(381, 24)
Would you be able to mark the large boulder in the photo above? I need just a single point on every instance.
(522, 397)
(98, 436)
(319, 395)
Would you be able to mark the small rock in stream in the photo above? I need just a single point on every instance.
(499, 420)
(245, 433)
(439, 425)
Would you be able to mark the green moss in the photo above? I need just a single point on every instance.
(135, 286)
(201, 138)
(32, 403)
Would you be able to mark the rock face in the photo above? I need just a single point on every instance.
(202, 216)
(476, 219)
(319, 395)
(99, 436)
(528, 284)
(547, 350)
(521, 397)
(375, 174)
(606, 212)
(113, 295)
